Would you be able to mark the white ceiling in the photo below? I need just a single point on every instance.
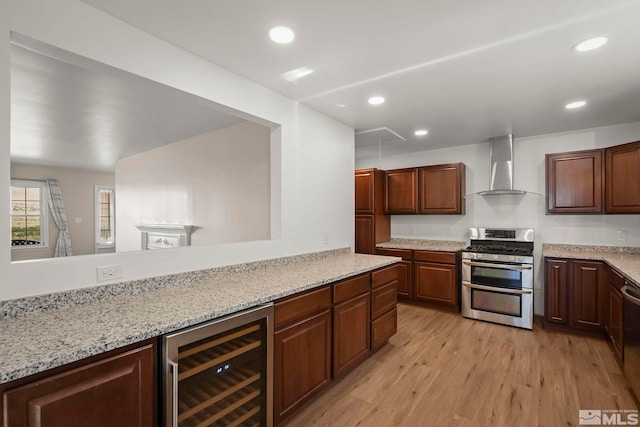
(465, 70)
(69, 111)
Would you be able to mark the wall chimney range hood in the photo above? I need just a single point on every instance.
(501, 162)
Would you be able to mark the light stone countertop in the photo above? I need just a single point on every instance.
(423, 245)
(35, 341)
(624, 259)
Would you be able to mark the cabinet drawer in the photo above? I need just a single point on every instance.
(384, 276)
(404, 253)
(433, 256)
(383, 299)
(300, 306)
(383, 328)
(351, 287)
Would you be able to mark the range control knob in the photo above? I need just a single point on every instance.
(495, 257)
(520, 258)
(512, 258)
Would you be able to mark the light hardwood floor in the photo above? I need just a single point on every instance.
(443, 370)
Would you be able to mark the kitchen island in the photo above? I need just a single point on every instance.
(44, 332)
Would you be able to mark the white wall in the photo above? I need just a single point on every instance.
(218, 182)
(312, 155)
(518, 211)
(78, 196)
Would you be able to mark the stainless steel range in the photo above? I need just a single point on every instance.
(497, 276)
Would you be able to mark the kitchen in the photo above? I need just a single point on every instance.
(309, 145)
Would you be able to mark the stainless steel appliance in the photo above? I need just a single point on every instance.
(220, 373)
(497, 276)
(631, 294)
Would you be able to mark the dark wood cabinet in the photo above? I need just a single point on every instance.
(365, 239)
(365, 191)
(556, 283)
(442, 189)
(588, 294)
(622, 179)
(384, 314)
(436, 278)
(302, 349)
(119, 390)
(324, 333)
(351, 333)
(576, 294)
(404, 270)
(372, 226)
(428, 190)
(401, 191)
(575, 182)
(615, 312)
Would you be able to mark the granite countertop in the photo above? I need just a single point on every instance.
(624, 259)
(37, 340)
(424, 245)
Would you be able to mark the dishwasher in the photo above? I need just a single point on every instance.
(631, 294)
(220, 373)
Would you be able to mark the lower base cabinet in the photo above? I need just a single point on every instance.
(302, 357)
(119, 390)
(323, 334)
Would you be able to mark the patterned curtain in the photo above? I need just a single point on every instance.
(63, 245)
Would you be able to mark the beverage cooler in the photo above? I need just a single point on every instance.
(220, 373)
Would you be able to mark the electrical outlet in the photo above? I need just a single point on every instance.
(325, 237)
(622, 235)
(109, 272)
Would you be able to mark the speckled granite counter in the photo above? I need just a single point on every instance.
(34, 338)
(624, 259)
(424, 245)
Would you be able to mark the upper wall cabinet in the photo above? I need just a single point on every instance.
(365, 197)
(402, 191)
(437, 189)
(442, 189)
(622, 179)
(574, 182)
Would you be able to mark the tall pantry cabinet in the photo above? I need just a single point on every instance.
(372, 226)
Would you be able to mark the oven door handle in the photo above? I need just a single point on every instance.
(502, 266)
(627, 294)
(494, 289)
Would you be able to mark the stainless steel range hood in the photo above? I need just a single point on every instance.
(501, 179)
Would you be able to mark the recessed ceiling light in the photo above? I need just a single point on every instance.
(590, 44)
(576, 104)
(282, 35)
(421, 132)
(376, 100)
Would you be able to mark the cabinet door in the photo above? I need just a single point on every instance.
(555, 292)
(118, 391)
(574, 182)
(365, 234)
(616, 319)
(364, 182)
(401, 191)
(404, 279)
(622, 170)
(351, 333)
(302, 354)
(442, 189)
(588, 294)
(436, 283)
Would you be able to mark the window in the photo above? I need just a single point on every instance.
(105, 217)
(28, 214)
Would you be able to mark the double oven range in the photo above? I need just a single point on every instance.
(497, 276)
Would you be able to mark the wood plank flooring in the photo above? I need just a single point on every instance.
(443, 370)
